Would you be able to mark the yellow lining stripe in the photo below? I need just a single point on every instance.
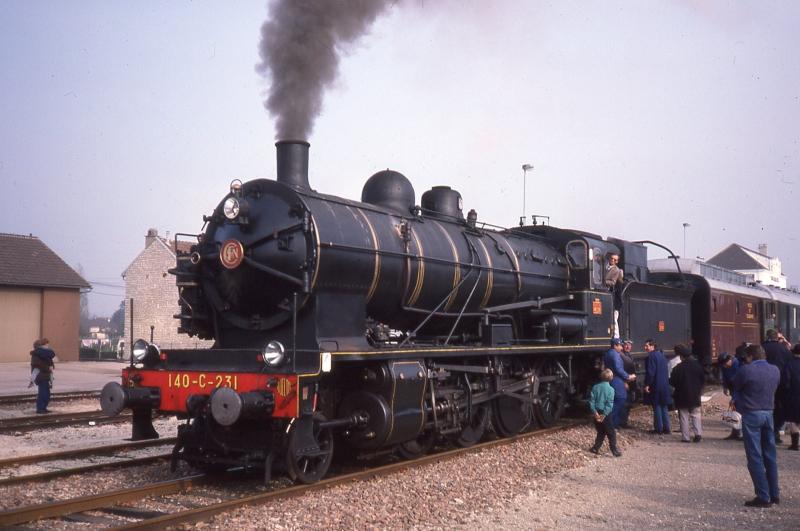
(318, 252)
(456, 268)
(515, 261)
(420, 271)
(468, 350)
(489, 277)
(394, 389)
(375, 245)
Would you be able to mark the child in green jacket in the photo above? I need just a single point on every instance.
(601, 402)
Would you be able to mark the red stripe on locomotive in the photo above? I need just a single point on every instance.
(177, 386)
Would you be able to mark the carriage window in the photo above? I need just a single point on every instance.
(577, 254)
(714, 303)
(737, 307)
(794, 317)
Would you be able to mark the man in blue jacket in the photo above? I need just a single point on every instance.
(613, 360)
(42, 357)
(778, 355)
(754, 397)
(656, 386)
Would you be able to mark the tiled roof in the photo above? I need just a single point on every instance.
(27, 261)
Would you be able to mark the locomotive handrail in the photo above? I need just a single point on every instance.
(527, 304)
(271, 271)
(274, 234)
(433, 312)
(671, 255)
(473, 252)
(431, 259)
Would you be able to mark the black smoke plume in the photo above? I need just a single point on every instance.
(299, 49)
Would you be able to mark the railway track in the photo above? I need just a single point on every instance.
(55, 397)
(52, 474)
(55, 420)
(84, 452)
(122, 460)
(109, 503)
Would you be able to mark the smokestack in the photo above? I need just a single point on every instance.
(292, 158)
(762, 248)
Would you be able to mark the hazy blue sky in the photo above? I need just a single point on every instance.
(638, 116)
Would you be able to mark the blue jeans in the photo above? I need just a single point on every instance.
(661, 418)
(43, 398)
(759, 446)
(617, 411)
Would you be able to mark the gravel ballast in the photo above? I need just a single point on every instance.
(547, 482)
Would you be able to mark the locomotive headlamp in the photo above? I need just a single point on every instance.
(139, 350)
(274, 353)
(231, 208)
(147, 353)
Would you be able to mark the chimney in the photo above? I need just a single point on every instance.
(762, 248)
(151, 236)
(292, 158)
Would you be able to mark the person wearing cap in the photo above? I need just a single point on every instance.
(729, 366)
(754, 397)
(629, 365)
(612, 360)
(42, 357)
(791, 389)
(656, 387)
(687, 379)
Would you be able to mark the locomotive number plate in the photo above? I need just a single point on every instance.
(183, 380)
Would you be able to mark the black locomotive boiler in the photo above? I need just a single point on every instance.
(378, 324)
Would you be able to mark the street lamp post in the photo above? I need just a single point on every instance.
(525, 168)
(684, 237)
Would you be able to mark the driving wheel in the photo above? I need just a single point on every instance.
(309, 449)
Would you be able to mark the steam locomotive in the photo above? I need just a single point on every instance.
(379, 325)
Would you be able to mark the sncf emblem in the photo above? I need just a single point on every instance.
(231, 254)
(284, 386)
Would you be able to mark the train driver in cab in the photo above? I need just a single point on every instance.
(613, 281)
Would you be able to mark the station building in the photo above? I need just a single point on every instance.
(39, 297)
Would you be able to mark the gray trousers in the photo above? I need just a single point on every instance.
(690, 415)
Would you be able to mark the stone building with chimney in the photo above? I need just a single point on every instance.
(151, 290)
(39, 297)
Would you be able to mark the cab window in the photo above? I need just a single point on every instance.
(597, 267)
(577, 254)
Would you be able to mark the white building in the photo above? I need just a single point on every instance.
(757, 265)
